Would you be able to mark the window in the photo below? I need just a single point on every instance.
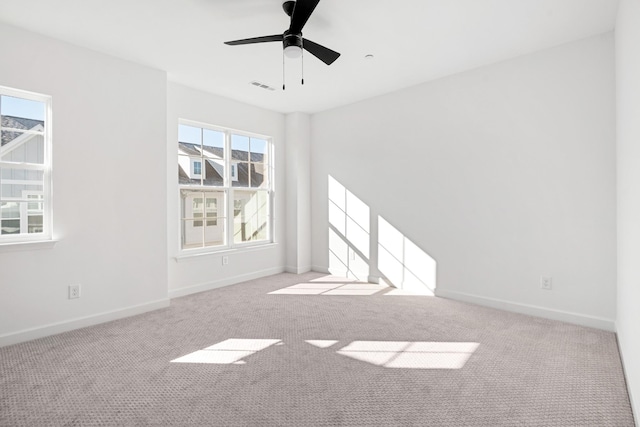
(25, 166)
(234, 172)
(197, 168)
(225, 186)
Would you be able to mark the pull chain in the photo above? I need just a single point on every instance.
(302, 60)
(283, 87)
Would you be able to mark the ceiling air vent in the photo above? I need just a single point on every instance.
(262, 85)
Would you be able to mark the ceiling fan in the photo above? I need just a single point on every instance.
(292, 41)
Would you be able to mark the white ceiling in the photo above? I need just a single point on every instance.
(412, 41)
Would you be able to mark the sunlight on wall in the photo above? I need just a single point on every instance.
(349, 233)
(227, 352)
(411, 355)
(403, 263)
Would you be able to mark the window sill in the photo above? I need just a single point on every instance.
(223, 252)
(27, 246)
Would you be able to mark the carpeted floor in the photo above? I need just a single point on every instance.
(316, 355)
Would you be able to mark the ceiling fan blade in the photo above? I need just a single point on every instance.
(324, 54)
(301, 13)
(263, 39)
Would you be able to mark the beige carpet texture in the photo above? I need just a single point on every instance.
(311, 350)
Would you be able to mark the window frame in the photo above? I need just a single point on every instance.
(45, 168)
(225, 210)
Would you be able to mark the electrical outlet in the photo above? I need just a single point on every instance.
(545, 282)
(74, 291)
(225, 260)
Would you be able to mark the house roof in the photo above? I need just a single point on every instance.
(190, 149)
(213, 173)
(16, 123)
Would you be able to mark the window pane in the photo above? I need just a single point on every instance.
(214, 234)
(34, 224)
(201, 225)
(262, 198)
(191, 236)
(243, 175)
(185, 173)
(259, 175)
(249, 216)
(213, 144)
(17, 183)
(12, 214)
(197, 222)
(189, 135)
(211, 211)
(9, 210)
(188, 149)
(10, 226)
(259, 153)
(214, 172)
(239, 147)
(22, 108)
(258, 146)
(22, 147)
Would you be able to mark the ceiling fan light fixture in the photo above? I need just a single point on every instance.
(292, 44)
(293, 52)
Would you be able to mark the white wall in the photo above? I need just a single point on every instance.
(109, 195)
(501, 174)
(298, 135)
(628, 150)
(199, 273)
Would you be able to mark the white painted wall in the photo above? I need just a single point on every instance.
(501, 174)
(628, 150)
(298, 135)
(109, 195)
(199, 273)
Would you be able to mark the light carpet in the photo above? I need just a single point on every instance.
(308, 356)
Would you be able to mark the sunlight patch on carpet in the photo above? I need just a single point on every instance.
(227, 352)
(321, 343)
(333, 288)
(411, 355)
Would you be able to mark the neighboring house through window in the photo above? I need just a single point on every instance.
(225, 186)
(25, 166)
(197, 168)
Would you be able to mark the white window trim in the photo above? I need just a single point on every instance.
(47, 223)
(229, 189)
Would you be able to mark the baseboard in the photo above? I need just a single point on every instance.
(298, 270)
(81, 322)
(626, 378)
(532, 310)
(207, 286)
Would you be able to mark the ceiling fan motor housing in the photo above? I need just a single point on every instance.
(292, 40)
